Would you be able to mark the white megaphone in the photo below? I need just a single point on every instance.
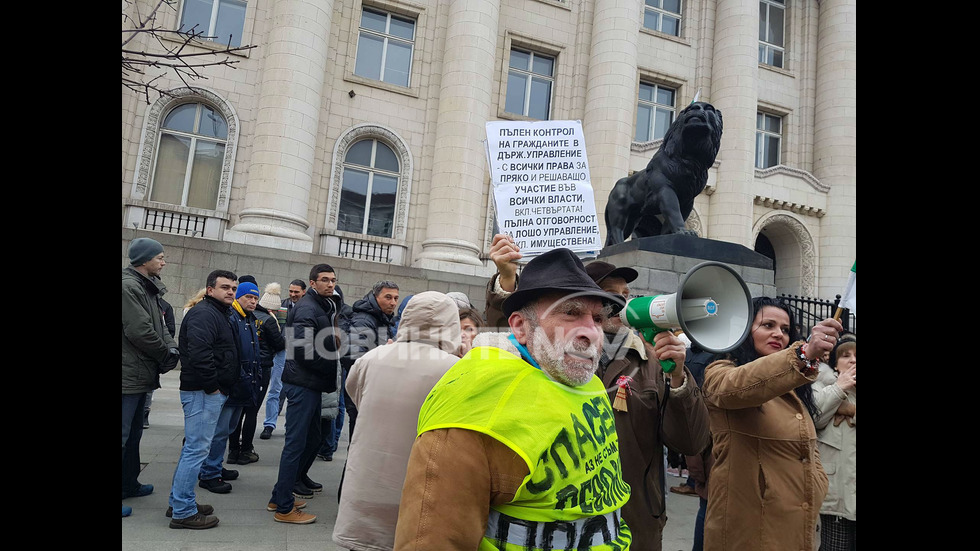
(712, 306)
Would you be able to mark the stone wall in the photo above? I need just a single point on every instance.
(190, 260)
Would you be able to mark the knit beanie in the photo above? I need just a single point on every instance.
(248, 279)
(247, 288)
(271, 300)
(143, 249)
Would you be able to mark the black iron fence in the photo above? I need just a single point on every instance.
(810, 310)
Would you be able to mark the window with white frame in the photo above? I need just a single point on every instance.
(772, 17)
(189, 158)
(768, 133)
(222, 21)
(369, 189)
(384, 47)
(663, 16)
(530, 81)
(654, 111)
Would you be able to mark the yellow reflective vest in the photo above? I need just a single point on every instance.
(565, 435)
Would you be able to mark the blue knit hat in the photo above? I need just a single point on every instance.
(247, 288)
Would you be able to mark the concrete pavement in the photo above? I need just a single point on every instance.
(245, 525)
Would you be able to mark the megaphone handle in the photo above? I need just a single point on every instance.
(648, 333)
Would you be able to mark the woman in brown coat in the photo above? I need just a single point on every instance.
(767, 483)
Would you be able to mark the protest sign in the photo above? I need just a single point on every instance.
(542, 191)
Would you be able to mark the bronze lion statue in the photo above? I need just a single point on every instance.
(658, 199)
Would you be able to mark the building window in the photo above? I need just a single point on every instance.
(663, 16)
(224, 20)
(772, 15)
(384, 47)
(369, 190)
(529, 84)
(768, 133)
(654, 112)
(190, 156)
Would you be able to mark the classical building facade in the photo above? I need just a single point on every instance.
(355, 128)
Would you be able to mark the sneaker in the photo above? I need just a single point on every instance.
(201, 508)
(299, 490)
(233, 457)
(295, 517)
(245, 458)
(215, 485)
(297, 504)
(140, 491)
(195, 522)
(266, 433)
(127, 510)
(683, 489)
(228, 474)
(308, 482)
(325, 456)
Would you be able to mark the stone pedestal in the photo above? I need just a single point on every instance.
(662, 260)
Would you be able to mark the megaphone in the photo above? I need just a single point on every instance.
(712, 306)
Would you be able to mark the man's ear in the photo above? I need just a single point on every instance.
(519, 326)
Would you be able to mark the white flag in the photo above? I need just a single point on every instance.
(849, 298)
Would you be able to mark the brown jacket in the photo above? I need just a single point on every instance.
(767, 482)
(642, 431)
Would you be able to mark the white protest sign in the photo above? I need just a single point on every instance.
(542, 191)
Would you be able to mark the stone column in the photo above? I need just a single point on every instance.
(454, 231)
(280, 173)
(610, 97)
(835, 141)
(735, 92)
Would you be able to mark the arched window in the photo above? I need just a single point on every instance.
(190, 156)
(370, 186)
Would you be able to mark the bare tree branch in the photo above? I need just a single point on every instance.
(179, 53)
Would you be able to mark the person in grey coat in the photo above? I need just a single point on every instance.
(148, 350)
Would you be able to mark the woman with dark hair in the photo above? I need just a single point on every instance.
(470, 322)
(767, 482)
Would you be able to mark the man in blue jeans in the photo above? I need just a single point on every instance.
(209, 370)
(245, 393)
(273, 401)
(312, 359)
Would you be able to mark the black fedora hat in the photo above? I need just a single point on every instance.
(557, 270)
(599, 270)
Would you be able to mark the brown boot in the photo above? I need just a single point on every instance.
(195, 522)
(201, 508)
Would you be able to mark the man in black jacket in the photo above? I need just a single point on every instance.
(312, 360)
(371, 325)
(209, 370)
(241, 449)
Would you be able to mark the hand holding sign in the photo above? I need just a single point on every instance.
(543, 195)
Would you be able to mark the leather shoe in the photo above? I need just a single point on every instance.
(300, 490)
(294, 517)
(266, 433)
(215, 485)
(195, 522)
(201, 508)
(244, 458)
(683, 489)
(297, 504)
(309, 483)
